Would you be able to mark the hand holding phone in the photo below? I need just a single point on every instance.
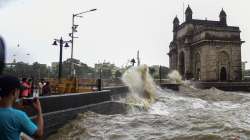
(37, 105)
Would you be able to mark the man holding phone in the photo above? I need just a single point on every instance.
(14, 121)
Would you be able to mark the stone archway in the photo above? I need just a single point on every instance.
(224, 65)
(182, 63)
(223, 74)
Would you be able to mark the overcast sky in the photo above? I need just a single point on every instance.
(113, 33)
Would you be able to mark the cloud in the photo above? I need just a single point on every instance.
(3, 3)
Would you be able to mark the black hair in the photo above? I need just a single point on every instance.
(24, 79)
(7, 84)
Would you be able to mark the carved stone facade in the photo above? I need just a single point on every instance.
(206, 50)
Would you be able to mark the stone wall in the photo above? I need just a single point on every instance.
(236, 70)
(55, 120)
(212, 61)
(59, 109)
(72, 100)
(226, 86)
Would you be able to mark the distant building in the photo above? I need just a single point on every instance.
(54, 65)
(106, 70)
(206, 50)
(72, 60)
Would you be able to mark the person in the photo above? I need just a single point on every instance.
(14, 121)
(24, 88)
(47, 89)
(41, 84)
(31, 87)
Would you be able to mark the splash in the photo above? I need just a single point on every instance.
(175, 77)
(141, 85)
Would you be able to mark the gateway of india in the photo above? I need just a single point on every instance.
(206, 50)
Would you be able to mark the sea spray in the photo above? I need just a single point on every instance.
(175, 77)
(141, 85)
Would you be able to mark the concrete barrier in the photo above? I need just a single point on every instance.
(170, 86)
(122, 90)
(59, 109)
(55, 120)
(226, 86)
(61, 102)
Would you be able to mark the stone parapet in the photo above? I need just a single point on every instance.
(226, 86)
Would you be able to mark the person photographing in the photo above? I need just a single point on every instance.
(14, 121)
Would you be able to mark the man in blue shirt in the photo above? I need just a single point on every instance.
(13, 121)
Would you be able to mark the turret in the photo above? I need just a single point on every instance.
(176, 23)
(223, 17)
(189, 14)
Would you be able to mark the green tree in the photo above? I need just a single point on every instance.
(118, 74)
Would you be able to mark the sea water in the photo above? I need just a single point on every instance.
(187, 114)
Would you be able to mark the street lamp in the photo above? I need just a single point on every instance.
(133, 61)
(74, 27)
(61, 42)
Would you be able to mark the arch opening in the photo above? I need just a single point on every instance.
(197, 68)
(223, 74)
(182, 64)
(223, 66)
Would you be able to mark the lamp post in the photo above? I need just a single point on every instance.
(99, 80)
(133, 61)
(74, 27)
(61, 42)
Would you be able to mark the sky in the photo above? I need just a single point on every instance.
(113, 33)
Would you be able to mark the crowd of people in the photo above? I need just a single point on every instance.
(29, 88)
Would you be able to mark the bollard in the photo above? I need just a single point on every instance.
(99, 84)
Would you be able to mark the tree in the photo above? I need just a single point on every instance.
(118, 74)
(155, 71)
(164, 72)
(152, 70)
(39, 71)
(22, 69)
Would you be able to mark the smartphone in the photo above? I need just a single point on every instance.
(29, 101)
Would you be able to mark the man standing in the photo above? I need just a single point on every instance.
(47, 89)
(25, 87)
(14, 121)
(41, 84)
